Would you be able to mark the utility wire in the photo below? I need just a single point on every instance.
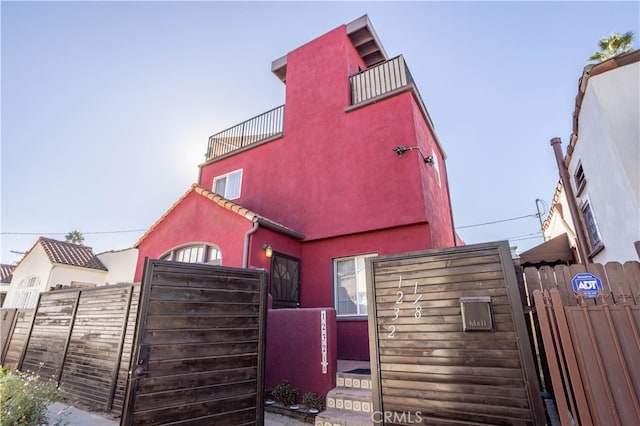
(497, 221)
(65, 233)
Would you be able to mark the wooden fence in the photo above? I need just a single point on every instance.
(82, 338)
(449, 340)
(591, 344)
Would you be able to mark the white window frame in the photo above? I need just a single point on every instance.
(360, 295)
(230, 193)
(591, 227)
(27, 293)
(195, 253)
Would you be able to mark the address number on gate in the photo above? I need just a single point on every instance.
(403, 295)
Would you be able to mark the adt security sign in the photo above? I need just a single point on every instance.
(588, 283)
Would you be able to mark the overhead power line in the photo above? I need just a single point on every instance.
(497, 221)
(65, 233)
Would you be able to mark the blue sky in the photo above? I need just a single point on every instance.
(107, 106)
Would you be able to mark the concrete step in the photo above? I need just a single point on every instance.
(355, 381)
(343, 418)
(349, 399)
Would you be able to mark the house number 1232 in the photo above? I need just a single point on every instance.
(417, 312)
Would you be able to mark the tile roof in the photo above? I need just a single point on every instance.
(64, 253)
(6, 272)
(592, 70)
(228, 205)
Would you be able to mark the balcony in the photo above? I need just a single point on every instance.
(261, 128)
(369, 86)
(383, 80)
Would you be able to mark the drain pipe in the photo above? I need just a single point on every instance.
(247, 237)
(581, 239)
(453, 226)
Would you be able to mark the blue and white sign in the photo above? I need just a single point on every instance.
(588, 283)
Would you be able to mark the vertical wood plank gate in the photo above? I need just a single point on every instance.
(448, 339)
(199, 345)
(592, 344)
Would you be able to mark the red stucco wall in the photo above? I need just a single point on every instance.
(294, 349)
(317, 275)
(335, 172)
(332, 177)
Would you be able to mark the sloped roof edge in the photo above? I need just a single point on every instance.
(6, 272)
(67, 254)
(227, 205)
(588, 72)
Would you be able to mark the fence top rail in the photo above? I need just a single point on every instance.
(619, 284)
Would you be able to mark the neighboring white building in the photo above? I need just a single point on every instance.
(52, 264)
(5, 279)
(603, 163)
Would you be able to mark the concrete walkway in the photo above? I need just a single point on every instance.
(73, 416)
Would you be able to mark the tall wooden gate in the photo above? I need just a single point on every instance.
(448, 340)
(592, 344)
(199, 346)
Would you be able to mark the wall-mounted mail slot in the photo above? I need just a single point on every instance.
(476, 313)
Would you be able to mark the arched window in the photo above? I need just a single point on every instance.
(27, 293)
(195, 253)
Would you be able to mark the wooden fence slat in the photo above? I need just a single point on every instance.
(531, 282)
(572, 360)
(632, 272)
(554, 355)
(620, 288)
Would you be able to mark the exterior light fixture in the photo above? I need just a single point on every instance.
(268, 250)
(400, 150)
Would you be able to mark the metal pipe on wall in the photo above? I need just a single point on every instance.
(581, 239)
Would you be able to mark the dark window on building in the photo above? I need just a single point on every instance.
(595, 241)
(580, 179)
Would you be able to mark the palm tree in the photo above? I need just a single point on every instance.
(613, 46)
(74, 237)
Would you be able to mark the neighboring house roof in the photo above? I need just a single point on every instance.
(552, 252)
(71, 254)
(591, 71)
(63, 253)
(6, 272)
(228, 205)
(556, 200)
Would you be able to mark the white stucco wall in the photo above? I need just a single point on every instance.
(64, 275)
(35, 263)
(121, 265)
(608, 148)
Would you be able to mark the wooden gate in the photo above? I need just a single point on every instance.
(81, 338)
(199, 346)
(448, 340)
(592, 344)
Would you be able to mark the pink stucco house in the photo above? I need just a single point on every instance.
(349, 167)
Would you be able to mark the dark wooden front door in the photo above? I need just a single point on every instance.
(285, 281)
(198, 354)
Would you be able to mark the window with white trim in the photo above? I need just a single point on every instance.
(591, 226)
(580, 179)
(27, 293)
(228, 185)
(195, 253)
(350, 286)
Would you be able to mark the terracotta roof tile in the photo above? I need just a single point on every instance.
(228, 205)
(6, 272)
(71, 254)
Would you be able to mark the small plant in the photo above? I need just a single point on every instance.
(268, 395)
(285, 394)
(24, 399)
(313, 400)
